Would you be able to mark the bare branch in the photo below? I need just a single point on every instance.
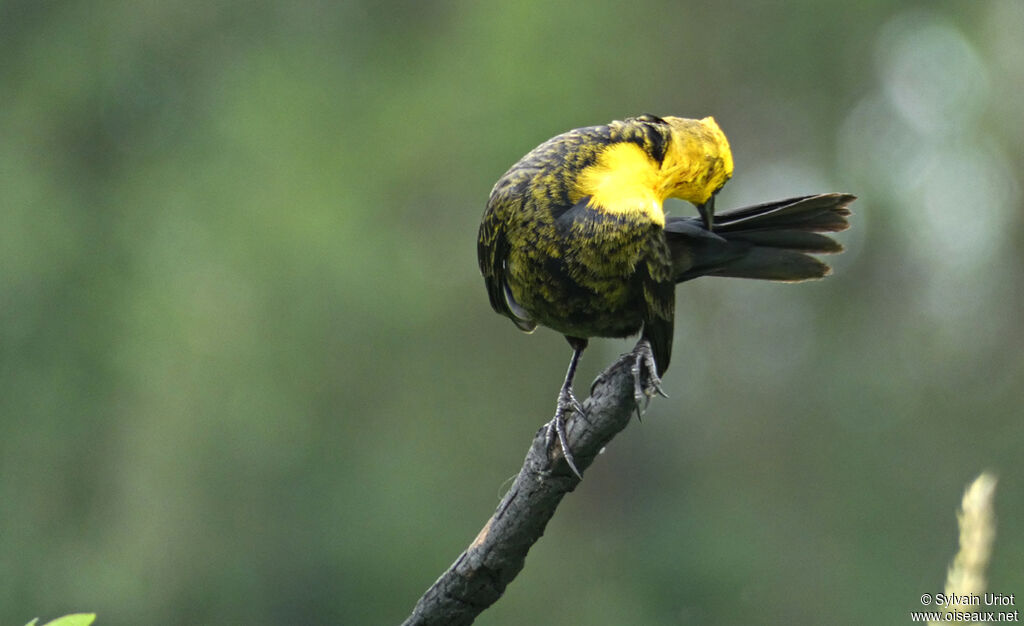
(479, 576)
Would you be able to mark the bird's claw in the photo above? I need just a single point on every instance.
(567, 402)
(645, 367)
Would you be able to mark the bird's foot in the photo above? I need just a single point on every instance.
(645, 367)
(567, 403)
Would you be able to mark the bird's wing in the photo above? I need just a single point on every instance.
(659, 303)
(492, 254)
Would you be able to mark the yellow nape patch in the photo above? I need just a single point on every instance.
(624, 181)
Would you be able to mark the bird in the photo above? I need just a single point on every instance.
(575, 237)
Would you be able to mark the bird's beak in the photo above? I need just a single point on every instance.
(707, 212)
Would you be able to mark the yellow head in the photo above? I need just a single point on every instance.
(626, 178)
(697, 163)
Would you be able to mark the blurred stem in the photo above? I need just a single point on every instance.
(479, 576)
(977, 521)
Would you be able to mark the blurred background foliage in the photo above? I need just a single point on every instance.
(248, 372)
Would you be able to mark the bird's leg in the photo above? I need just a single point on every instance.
(567, 402)
(645, 367)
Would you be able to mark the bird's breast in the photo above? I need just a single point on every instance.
(582, 277)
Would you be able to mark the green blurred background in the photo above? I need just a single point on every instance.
(249, 374)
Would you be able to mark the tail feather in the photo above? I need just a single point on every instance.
(791, 239)
(824, 212)
(774, 264)
(771, 241)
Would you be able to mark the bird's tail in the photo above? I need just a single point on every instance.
(771, 241)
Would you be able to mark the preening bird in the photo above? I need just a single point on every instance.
(575, 238)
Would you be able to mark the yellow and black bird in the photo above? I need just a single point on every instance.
(575, 238)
